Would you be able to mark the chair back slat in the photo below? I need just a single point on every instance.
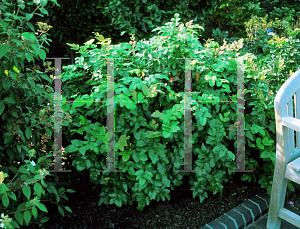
(283, 105)
(291, 147)
(297, 115)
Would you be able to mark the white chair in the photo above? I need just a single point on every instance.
(287, 166)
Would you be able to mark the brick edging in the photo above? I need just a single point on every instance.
(245, 213)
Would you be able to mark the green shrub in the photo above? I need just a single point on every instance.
(25, 117)
(149, 114)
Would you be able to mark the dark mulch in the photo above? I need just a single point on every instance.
(182, 211)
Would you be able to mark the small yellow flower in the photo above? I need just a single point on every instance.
(2, 176)
(106, 180)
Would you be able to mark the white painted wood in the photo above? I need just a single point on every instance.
(290, 216)
(287, 165)
(295, 165)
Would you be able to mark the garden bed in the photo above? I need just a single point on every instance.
(182, 211)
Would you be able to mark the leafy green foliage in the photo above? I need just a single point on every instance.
(288, 13)
(150, 111)
(149, 114)
(25, 112)
(71, 25)
(231, 15)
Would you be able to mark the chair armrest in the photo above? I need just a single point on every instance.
(291, 122)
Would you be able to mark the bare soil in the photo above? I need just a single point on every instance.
(182, 211)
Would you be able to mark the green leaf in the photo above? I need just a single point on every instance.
(29, 57)
(3, 49)
(139, 172)
(49, 131)
(44, 11)
(53, 189)
(28, 132)
(31, 168)
(26, 191)
(43, 2)
(174, 128)
(153, 156)
(42, 54)
(42, 207)
(9, 100)
(71, 149)
(212, 162)
(143, 157)
(14, 224)
(148, 175)
(45, 77)
(4, 187)
(34, 211)
(28, 17)
(89, 42)
(29, 36)
(8, 139)
(30, 26)
(141, 143)
(19, 217)
(68, 209)
(73, 46)
(258, 143)
(165, 181)
(166, 134)
(61, 210)
(19, 148)
(231, 155)
(32, 83)
(12, 195)
(88, 163)
(6, 84)
(140, 97)
(266, 141)
(145, 90)
(126, 155)
(23, 170)
(27, 217)
(44, 219)
(5, 200)
(39, 91)
(118, 202)
(34, 47)
(131, 171)
(81, 166)
(2, 108)
(4, 25)
(82, 150)
(128, 103)
(123, 142)
(265, 154)
(77, 103)
(152, 193)
(38, 189)
(142, 181)
(161, 168)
